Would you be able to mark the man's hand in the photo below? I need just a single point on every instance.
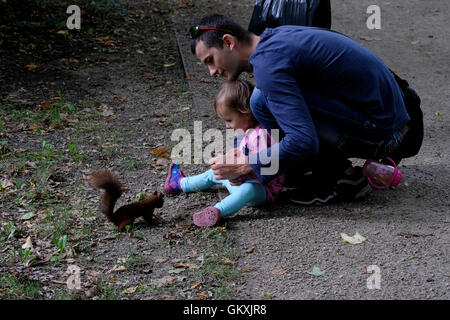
(230, 166)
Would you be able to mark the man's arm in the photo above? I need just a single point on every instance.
(286, 103)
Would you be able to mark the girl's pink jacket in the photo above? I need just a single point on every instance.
(254, 141)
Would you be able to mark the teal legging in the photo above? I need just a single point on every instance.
(248, 193)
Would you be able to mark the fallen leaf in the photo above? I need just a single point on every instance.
(223, 229)
(356, 239)
(107, 112)
(316, 271)
(415, 42)
(192, 253)
(202, 295)
(27, 216)
(72, 60)
(184, 265)
(117, 269)
(168, 65)
(226, 261)
(46, 105)
(130, 290)
(438, 113)
(33, 127)
(195, 286)
(5, 183)
(176, 271)
(159, 115)
(183, 109)
(28, 244)
(162, 260)
(63, 32)
(163, 282)
(31, 67)
(92, 273)
(250, 250)
(41, 261)
(411, 235)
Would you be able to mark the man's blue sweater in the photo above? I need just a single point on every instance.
(290, 61)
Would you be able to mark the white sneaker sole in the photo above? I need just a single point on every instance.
(316, 200)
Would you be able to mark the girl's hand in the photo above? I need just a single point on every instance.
(230, 166)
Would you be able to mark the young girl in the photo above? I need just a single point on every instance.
(232, 104)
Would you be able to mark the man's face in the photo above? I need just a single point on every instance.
(220, 61)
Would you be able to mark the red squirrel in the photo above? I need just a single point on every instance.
(125, 215)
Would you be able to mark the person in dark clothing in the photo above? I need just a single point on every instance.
(330, 98)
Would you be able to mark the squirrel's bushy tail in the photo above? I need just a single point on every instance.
(103, 179)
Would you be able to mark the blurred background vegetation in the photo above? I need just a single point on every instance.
(34, 18)
(38, 27)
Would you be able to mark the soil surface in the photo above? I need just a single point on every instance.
(112, 98)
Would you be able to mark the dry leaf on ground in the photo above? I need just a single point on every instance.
(196, 285)
(28, 244)
(356, 239)
(226, 261)
(130, 290)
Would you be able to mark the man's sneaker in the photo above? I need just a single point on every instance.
(352, 184)
(313, 197)
(172, 184)
(310, 193)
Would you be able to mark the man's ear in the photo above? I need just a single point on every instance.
(229, 41)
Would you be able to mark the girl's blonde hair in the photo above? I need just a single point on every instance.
(235, 95)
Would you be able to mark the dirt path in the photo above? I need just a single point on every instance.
(117, 108)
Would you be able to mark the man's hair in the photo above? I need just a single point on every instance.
(235, 95)
(213, 38)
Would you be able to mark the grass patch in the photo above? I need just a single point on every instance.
(18, 288)
(218, 255)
